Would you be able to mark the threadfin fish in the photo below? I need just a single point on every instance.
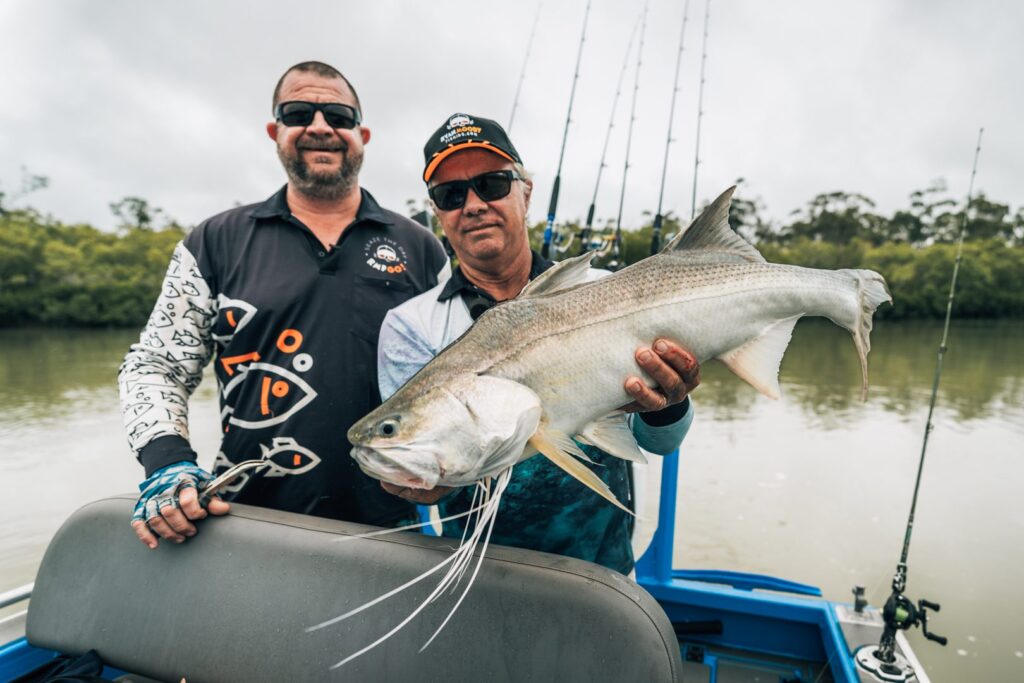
(550, 364)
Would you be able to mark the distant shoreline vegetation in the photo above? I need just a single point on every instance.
(77, 275)
(57, 274)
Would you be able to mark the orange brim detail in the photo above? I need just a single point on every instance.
(448, 151)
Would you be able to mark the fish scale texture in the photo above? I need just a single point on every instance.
(575, 347)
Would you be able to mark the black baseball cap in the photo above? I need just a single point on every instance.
(461, 131)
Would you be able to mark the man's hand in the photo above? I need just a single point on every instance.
(169, 503)
(674, 369)
(420, 496)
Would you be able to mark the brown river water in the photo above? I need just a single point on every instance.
(815, 487)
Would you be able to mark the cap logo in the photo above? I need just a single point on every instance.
(459, 120)
(456, 135)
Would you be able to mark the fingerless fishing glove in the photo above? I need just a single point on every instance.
(163, 487)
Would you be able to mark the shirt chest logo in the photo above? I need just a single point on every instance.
(385, 255)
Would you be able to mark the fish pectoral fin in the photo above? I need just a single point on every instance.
(564, 274)
(612, 435)
(757, 361)
(543, 443)
(564, 442)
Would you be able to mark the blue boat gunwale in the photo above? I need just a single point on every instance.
(700, 595)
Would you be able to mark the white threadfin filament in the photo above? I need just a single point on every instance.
(488, 493)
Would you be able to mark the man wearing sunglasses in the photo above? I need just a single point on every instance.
(288, 295)
(481, 194)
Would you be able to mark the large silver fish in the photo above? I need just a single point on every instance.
(551, 364)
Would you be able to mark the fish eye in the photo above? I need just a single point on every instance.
(387, 428)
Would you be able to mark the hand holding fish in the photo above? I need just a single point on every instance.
(676, 371)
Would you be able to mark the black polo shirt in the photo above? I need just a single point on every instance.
(295, 328)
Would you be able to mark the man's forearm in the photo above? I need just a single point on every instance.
(663, 436)
(165, 450)
(162, 370)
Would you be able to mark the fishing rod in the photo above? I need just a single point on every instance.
(585, 233)
(656, 232)
(700, 108)
(522, 73)
(899, 613)
(616, 261)
(553, 205)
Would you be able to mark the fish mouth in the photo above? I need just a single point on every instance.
(419, 473)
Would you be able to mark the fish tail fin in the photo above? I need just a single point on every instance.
(872, 292)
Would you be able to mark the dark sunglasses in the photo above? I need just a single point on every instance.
(298, 113)
(488, 187)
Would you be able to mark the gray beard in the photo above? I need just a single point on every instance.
(329, 186)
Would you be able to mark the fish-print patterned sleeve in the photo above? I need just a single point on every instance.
(401, 352)
(161, 371)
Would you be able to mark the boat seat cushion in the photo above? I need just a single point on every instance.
(233, 604)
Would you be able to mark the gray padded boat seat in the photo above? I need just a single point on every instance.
(233, 603)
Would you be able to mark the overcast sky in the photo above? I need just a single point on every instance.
(168, 101)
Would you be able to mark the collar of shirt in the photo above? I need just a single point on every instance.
(276, 206)
(477, 300)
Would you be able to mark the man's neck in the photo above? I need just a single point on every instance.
(326, 218)
(504, 283)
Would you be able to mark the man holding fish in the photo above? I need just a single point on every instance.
(543, 373)
(481, 194)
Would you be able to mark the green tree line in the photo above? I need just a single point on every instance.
(57, 274)
(53, 273)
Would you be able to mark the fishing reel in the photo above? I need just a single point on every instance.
(899, 614)
(605, 245)
(600, 243)
(562, 239)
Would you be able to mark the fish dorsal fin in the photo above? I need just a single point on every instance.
(612, 435)
(710, 232)
(543, 443)
(562, 275)
(757, 361)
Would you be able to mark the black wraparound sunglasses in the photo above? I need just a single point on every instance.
(488, 186)
(297, 113)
